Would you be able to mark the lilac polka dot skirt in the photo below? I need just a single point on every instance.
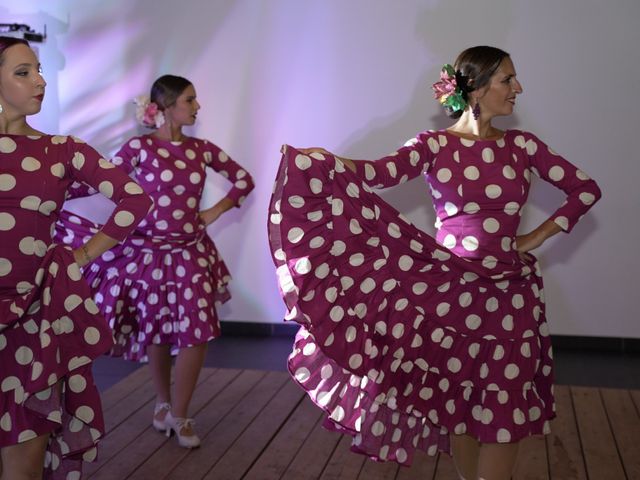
(154, 291)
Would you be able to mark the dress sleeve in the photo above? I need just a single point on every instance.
(79, 190)
(582, 192)
(128, 156)
(413, 159)
(220, 162)
(132, 204)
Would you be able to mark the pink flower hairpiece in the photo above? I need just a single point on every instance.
(447, 91)
(147, 112)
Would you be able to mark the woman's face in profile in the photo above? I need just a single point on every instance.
(185, 110)
(499, 96)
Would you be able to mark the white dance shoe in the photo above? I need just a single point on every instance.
(179, 425)
(161, 425)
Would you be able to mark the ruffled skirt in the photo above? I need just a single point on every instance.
(154, 291)
(50, 332)
(403, 343)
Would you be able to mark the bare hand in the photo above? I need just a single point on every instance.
(210, 215)
(309, 151)
(526, 243)
(80, 257)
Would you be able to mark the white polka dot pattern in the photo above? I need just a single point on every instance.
(57, 330)
(444, 337)
(169, 269)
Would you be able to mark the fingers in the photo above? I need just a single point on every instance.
(526, 257)
(308, 151)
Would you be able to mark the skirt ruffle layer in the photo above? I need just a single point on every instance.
(155, 291)
(403, 343)
(51, 332)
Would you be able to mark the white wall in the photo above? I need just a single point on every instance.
(354, 76)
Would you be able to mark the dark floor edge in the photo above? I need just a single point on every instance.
(256, 329)
(596, 344)
(561, 342)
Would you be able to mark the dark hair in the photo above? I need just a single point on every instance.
(6, 42)
(166, 90)
(474, 68)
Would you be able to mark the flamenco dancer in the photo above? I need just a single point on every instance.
(410, 342)
(159, 290)
(50, 328)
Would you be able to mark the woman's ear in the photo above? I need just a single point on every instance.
(479, 93)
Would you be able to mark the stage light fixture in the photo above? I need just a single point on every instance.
(21, 30)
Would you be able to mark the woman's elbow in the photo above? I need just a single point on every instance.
(595, 191)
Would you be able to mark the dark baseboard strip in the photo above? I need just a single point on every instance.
(560, 342)
(255, 329)
(596, 344)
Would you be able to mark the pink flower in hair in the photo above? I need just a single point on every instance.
(447, 91)
(446, 86)
(148, 113)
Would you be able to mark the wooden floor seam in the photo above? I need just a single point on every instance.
(259, 425)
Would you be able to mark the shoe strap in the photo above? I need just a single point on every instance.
(184, 422)
(161, 407)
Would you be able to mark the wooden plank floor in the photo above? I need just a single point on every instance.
(259, 425)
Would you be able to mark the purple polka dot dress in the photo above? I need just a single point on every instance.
(50, 328)
(406, 338)
(161, 286)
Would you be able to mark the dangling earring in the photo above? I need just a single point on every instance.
(1, 109)
(476, 110)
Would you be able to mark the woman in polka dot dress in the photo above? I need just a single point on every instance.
(413, 342)
(159, 289)
(50, 329)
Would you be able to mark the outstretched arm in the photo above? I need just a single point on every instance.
(408, 162)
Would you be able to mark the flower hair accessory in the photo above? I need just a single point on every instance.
(147, 112)
(449, 91)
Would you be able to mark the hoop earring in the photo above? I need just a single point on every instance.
(476, 111)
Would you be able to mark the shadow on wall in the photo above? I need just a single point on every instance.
(144, 49)
(150, 47)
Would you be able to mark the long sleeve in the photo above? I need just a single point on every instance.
(128, 156)
(132, 204)
(220, 162)
(410, 161)
(79, 190)
(582, 192)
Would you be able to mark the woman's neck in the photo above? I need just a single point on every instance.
(170, 132)
(480, 128)
(16, 126)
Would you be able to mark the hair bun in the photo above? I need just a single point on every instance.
(463, 82)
